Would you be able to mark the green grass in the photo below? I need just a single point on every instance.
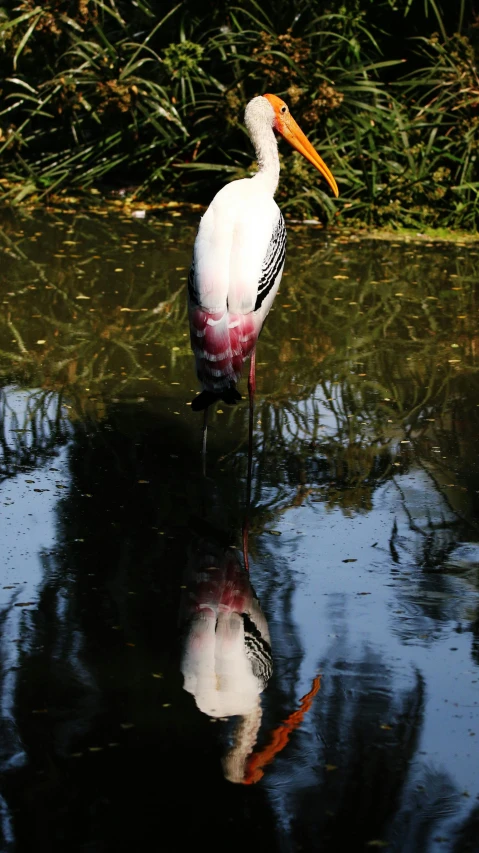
(105, 94)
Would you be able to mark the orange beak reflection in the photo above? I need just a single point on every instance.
(287, 127)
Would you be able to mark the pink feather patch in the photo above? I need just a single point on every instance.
(221, 343)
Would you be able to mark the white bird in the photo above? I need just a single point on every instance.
(238, 258)
(226, 657)
(226, 661)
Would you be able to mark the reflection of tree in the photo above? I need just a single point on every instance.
(475, 641)
(10, 742)
(100, 653)
(468, 834)
(106, 624)
(358, 783)
(432, 800)
(370, 738)
(114, 745)
(32, 427)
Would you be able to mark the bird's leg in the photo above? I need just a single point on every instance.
(205, 434)
(252, 376)
(251, 391)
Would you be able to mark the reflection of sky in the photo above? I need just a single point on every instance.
(327, 408)
(28, 417)
(335, 618)
(28, 529)
(315, 406)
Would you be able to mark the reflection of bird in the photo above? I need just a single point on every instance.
(239, 256)
(226, 660)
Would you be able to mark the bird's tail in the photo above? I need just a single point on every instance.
(221, 342)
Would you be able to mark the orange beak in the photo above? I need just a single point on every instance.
(287, 127)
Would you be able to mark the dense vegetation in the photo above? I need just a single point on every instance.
(148, 97)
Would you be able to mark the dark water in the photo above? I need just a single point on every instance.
(363, 548)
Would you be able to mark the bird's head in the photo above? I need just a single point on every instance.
(284, 123)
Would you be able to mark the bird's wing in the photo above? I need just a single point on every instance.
(273, 263)
(240, 244)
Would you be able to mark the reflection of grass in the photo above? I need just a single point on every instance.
(366, 344)
(32, 425)
(87, 337)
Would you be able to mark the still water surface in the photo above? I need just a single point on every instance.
(133, 716)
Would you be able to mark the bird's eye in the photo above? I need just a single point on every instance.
(284, 109)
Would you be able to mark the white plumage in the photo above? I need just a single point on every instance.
(238, 256)
(226, 661)
(231, 246)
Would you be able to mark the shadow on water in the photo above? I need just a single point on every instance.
(142, 667)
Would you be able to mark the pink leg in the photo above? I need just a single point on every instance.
(252, 376)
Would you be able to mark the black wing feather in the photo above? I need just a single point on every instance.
(272, 263)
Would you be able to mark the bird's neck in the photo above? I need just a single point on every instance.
(266, 148)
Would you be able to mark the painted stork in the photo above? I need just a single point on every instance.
(227, 660)
(238, 258)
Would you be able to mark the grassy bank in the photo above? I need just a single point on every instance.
(103, 95)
